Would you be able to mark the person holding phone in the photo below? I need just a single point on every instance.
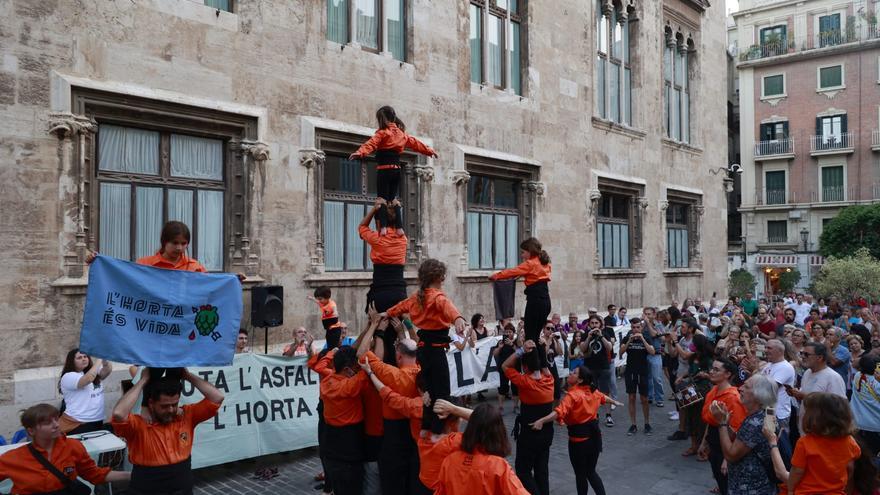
(636, 376)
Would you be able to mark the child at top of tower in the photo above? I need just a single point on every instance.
(388, 143)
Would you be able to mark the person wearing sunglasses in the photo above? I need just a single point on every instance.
(818, 377)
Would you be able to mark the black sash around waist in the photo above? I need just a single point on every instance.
(397, 433)
(584, 430)
(387, 157)
(538, 290)
(162, 479)
(388, 276)
(434, 338)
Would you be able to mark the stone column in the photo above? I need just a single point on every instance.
(621, 69)
(76, 141)
(639, 213)
(460, 179)
(256, 156)
(534, 191)
(424, 175)
(593, 223)
(696, 224)
(313, 160)
(663, 205)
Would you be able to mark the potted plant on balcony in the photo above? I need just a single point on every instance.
(773, 45)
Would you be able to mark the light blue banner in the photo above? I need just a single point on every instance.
(164, 318)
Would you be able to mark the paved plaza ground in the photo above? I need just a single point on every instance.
(638, 464)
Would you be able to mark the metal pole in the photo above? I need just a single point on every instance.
(266, 340)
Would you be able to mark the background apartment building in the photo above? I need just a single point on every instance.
(591, 125)
(809, 107)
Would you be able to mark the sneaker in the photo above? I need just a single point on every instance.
(678, 435)
(648, 429)
(632, 430)
(613, 407)
(673, 416)
(659, 403)
(608, 420)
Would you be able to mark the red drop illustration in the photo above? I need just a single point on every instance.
(192, 335)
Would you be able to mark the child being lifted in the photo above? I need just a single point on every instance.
(388, 142)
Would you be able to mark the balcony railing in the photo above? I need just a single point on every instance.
(842, 142)
(777, 238)
(875, 140)
(875, 191)
(774, 147)
(783, 46)
(830, 194)
(769, 197)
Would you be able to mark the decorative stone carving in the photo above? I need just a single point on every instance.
(539, 188)
(662, 205)
(424, 172)
(310, 157)
(258, 150)
(66, 125)
(460, 177)
(643, 202)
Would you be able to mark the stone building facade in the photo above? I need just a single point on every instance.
(591, 125)
(808, 75)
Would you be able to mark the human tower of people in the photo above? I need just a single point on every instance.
(387, 421)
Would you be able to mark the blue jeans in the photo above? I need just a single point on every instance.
(655, 384)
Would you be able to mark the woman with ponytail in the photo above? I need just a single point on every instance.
(433, 313)
(579, 411)
(535, 268)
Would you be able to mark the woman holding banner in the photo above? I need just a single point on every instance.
(535, 386)
(535, 269)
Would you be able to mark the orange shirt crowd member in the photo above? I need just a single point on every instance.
(579, 411)
(433, 313)
(720, 374)
(535, 386)
(824, 458)
(480, 467)
(342, 391)
(160, 450)
(66, 455)
(329, 316)
(536, 269)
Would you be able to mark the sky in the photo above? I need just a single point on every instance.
(732, 6)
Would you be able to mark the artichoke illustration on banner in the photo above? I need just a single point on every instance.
(206, 320)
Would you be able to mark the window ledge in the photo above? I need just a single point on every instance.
(778, 246)
(622, 273)
(683, 272)
(475, 276)
(69, 286)
(830, 88)
(349, 279)
(678, 145)
(503, 95)
(607, 125)
(197, 12)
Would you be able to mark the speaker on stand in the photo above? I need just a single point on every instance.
(267, 309)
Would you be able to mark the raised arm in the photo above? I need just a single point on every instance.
(517, 271)
(370, 146)
(91, 375)
(418, 146)
(126, 403)
(370, 214)
(207, 390)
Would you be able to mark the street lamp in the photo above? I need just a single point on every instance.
(805, 236)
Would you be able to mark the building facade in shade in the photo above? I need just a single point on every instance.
(591, 125)
(809, 103)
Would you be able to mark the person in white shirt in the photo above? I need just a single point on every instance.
(83, 393)
(801, 309)
(818, 377)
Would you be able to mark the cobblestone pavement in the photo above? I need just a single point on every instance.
(639, 464)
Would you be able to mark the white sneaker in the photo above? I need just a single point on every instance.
(673, 416)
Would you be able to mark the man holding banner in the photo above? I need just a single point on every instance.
(160, 450)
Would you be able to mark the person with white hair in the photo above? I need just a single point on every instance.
(839, 357)
(782, 373)
(747, 452)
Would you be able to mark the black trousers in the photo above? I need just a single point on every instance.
(388, 188)
(322, 446)
(716, 458)
(537, 309)
(348, 476)
(398, 459)
(532, 461)
(435, 369)
(333, 336)
(584, 456)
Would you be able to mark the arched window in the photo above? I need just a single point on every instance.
(613, 62)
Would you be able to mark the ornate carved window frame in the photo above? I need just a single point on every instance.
(695, 210)
(76, 128)
(634, 188)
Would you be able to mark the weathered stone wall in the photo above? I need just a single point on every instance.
(273, 56)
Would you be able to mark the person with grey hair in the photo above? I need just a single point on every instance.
(839, 357)
(747, 451)
(818, 377)
(781, 372)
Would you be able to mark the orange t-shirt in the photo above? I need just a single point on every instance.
(531, 392)
(401, 380)
(154, 444)
(438, 312)
(388, 249)
(373, 406)
(432, 455)
(328, 309)
(730, 398)
(532, 270)
(579, 406)
(409, 407)
(477, 473)
(29, 476)
(395, 139)
(343, 404)
(185, 263)
(824, 461)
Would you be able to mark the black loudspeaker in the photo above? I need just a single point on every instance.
(267, 306)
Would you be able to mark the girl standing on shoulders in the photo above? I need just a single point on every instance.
(535, 268)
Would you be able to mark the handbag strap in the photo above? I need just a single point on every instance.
(48, 465)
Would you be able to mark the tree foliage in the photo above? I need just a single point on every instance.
(853, 228)
(740, 282)
(787, 280)
(850, 277)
